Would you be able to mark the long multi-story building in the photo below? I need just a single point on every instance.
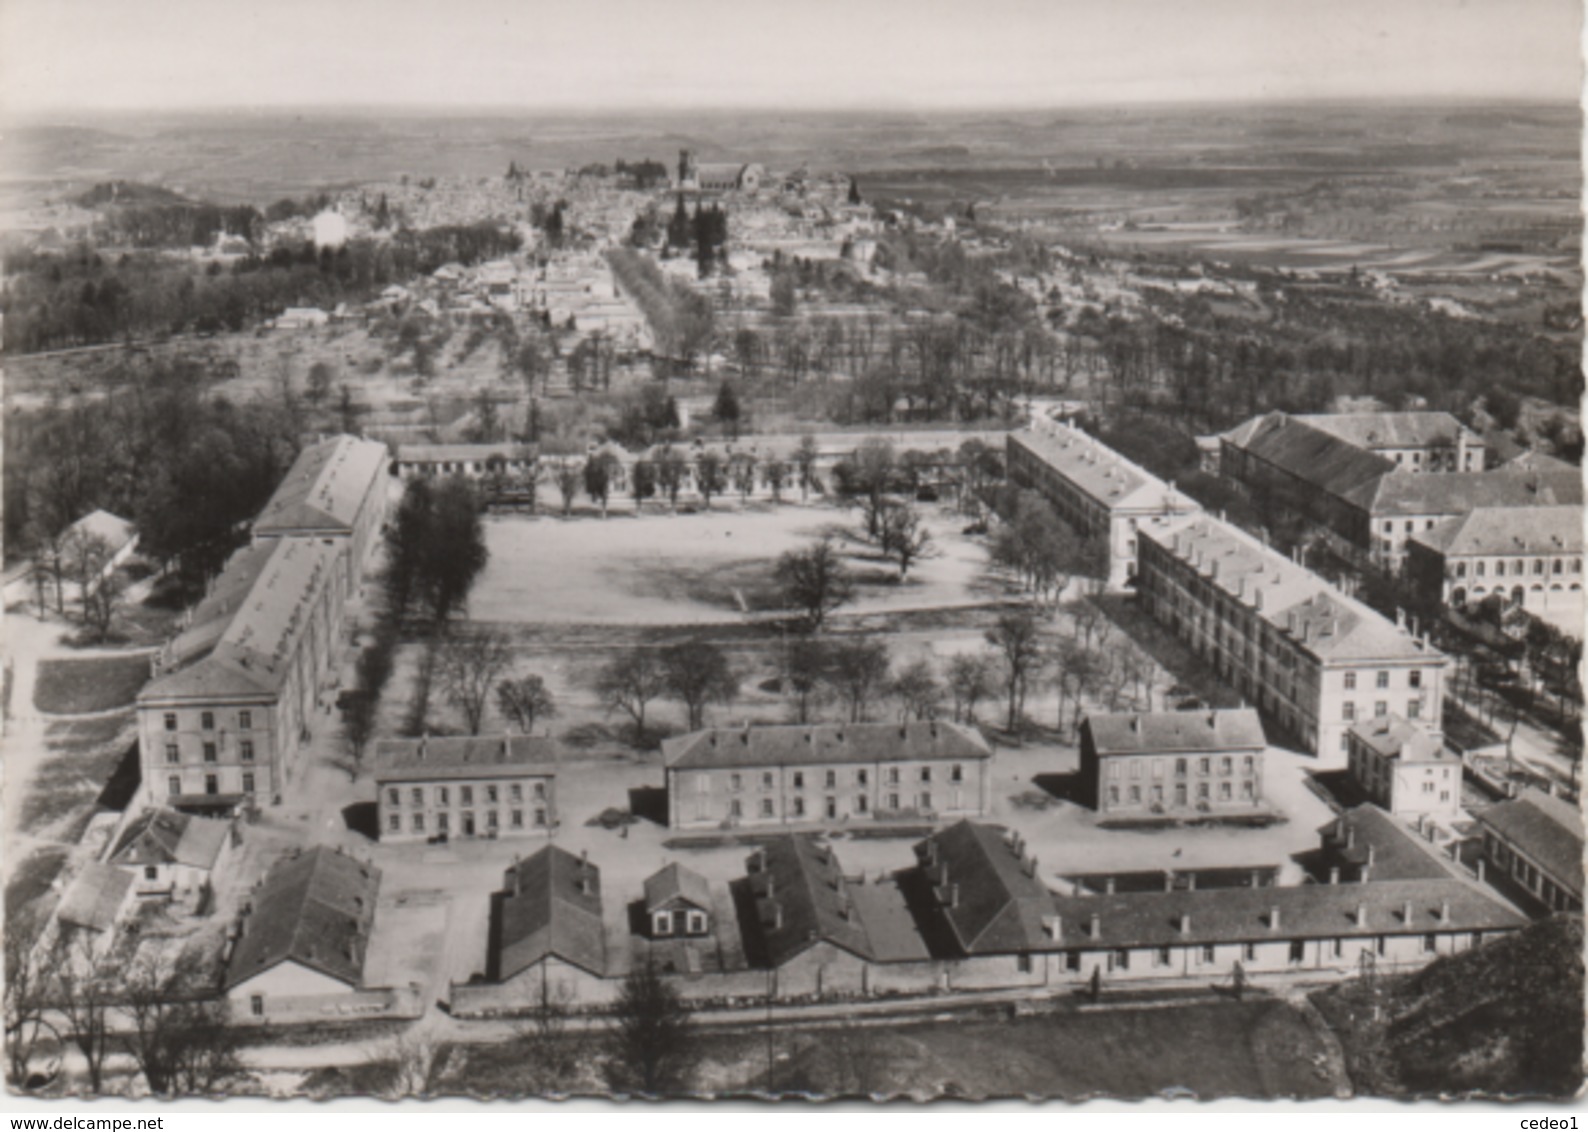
(239, 691)
(465, 787)
(1531, 558)
(1094, 489)
(1316, 660)
(1405, 768)
(336, 490)
(1428, 441)
(824, 773)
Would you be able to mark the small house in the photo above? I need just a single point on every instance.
(171, 854)
(677, 903)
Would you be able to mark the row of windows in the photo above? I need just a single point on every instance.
(1208, 953)
(443, 794)
(829, 778)
(1518, 567)
(1381, 679)
(245, 720)
(768, 807)
(211, 753)
(515, 820)
(1181, 766)
(1204, 793)
(212, 784)
(1414, 710)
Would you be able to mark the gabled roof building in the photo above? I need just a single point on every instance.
(1534, 843)
(549, 913)
(465, 786)
(1173, 763)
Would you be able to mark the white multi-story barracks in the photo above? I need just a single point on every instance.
(335, 491)
(1094, 489)
(1404, 768)
(1315, 660)
(1529, 557)
(466, 787)
(237, 694)
(825, 773)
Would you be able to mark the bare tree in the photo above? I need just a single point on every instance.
(467, 668)
(776, 472)
(629, 682)
(525, 700)
(552, 1055)
(88, 563)
(805, 460)
(814, 581)
(804, 662)
(183, 1044)
(1015, 638)
(903, 537)
(569, 475)
(917, 690)
(698, 673)
(857, 672)
(669, 473)
(970, 681)
(27, 991)
(84, 992)
(412, 1054)
(710, 475)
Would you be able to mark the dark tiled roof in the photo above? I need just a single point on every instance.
(165, 837)
(802, 744)
(314, 908)
(325, 487)
(1098, 472)
(95, 897)
(464, 756)
(890, 926)
(1390, 430)
(1396, 852)
(1312, 455)
(1312, 911)
(990, 896)
(801, 898)
(1133, 733)
(552, 907)
(676, 882)
(1546, 828)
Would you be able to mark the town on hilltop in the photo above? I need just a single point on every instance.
(449, 617)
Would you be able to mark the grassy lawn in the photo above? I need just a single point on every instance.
(76, 687)
(82, 758)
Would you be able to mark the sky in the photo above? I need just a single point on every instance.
(69, 55)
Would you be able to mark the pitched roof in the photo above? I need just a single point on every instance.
(464, 756)
(313, 908)
(1545, 828)
(1097, 471)
(986, 890)
(114, 530)
(241, 638)
(551, 907)
(1395, 738)
(1455, 493)
(1390, 430)
(800, 744)
(1124, 733)
(1316, 457)
(1535, 461)
(1312, 911)
(95, 897)
(1367, 836)
(166, 837)
(1507, 530)
(325, 487)
(1288, 596)
(676, 882)
(802, 898)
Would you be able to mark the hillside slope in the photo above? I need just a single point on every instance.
(1506, 1018)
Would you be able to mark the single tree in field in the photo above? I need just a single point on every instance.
(698, 673)
(857, 672)
(814, 581)
(710, 475)
(319, 386)
(651, 1046)
(1016, 640)
(872, 471)
(569, 475)
(726, 409)
(99, 588)
(903, 537)
(805, 457)
(917, 690)
(468, 665)
(970, 681)
(598, 474)
(776, 472)
(630, 681)
(670, 473)
(742, 471)
(804, 666)
(642, 483)
(525, 700)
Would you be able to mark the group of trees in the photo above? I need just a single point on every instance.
(1041, 551)
(706, 232)
(696, 673)
(83, 296)
(681, 319)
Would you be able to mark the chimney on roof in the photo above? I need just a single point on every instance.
(1444, 911)
(1334, 874)
(1372, 852)
(1273, 918)
(1185, 923)
(953, 896)
(423, 740)
(1094, 927)
(777, 916)
(1108, 886)
(1053, 928)
(1350, 839)
(1030, 865)
(1168, 880)
(1406, 912)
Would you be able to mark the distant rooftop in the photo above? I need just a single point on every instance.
(1097, 471)
(325, 487)
(464, 756)
(1508, 530)
(1225, 729)
(1392, 430)
(1546, 828)
(799, 744)
(1395, 738)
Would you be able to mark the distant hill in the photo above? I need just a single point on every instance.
(1503, 1019)
(128, 193)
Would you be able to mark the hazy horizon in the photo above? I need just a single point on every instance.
(557, 57)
